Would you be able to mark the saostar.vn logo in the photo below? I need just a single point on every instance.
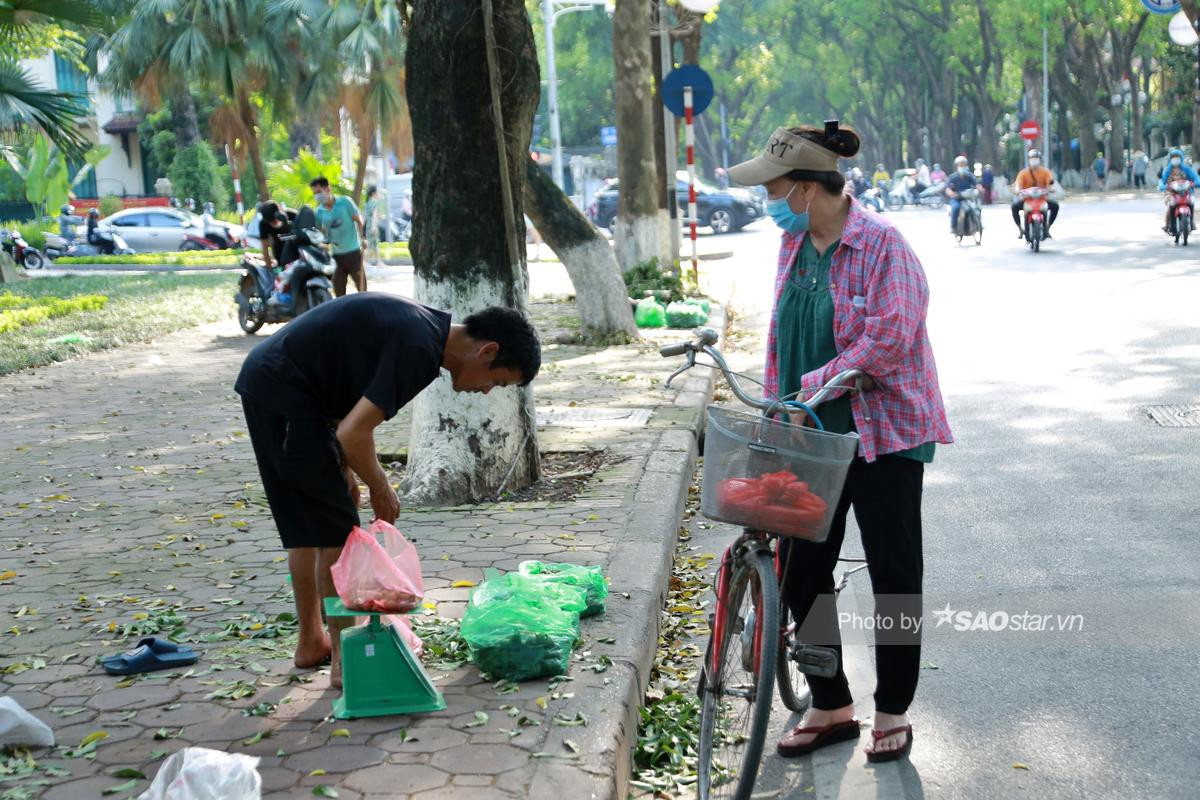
(993, 621)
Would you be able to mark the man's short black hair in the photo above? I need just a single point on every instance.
(320, 180)
(519, 345)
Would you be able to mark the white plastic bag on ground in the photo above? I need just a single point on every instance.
(20, 728)
(197, 773)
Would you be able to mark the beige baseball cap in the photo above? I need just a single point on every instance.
(784, 152)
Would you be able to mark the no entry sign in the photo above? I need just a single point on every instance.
(1030, 130)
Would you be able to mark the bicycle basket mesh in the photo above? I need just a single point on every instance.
(772, 476)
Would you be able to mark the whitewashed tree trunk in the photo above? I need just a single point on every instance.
(468, 447)
(636, 229)
(600, 295)
(464, 446)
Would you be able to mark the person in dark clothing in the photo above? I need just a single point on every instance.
(106, 244)
(312, 405)
(276, 221)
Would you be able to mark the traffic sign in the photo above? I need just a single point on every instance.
(1161, 6)
(687, 75)
(608, 137)
(1181, 31)
(1030, 130)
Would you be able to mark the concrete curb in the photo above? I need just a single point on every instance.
(640, 564)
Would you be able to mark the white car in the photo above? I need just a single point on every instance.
(159, 229)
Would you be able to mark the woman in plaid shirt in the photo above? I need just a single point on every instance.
(850, 293)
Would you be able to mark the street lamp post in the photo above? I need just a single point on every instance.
(551, 11)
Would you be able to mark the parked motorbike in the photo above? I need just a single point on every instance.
(970, 217)
(257, 282)
(1179, 198)
(1033, 221)
(111, 242)
(215, 236)
(15, 245)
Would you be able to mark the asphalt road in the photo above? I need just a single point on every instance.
(1059, 498)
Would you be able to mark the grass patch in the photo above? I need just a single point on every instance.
(194, 258)
(394, 250)
(139, 307)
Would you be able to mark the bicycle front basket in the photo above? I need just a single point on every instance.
(772, 476)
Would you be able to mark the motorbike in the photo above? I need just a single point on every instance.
(257, 281)
(906, 194)
(15, 245)
(872, 198)
(1179, 197)
(57, 246)
(970, 217)
(216, 236)
(1034, 216)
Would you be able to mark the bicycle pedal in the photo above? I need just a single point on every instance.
(814, 660)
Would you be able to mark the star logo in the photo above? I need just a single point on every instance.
(943, 615)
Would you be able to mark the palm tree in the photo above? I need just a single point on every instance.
(26, 28)
(238, 48)
(356, 62)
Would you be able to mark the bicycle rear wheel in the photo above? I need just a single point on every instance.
(739, 681)
(793, 684)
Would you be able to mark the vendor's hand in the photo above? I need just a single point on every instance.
(352, 485)
(868, 384)
(385, 503)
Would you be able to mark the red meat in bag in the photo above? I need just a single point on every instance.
(384, 578)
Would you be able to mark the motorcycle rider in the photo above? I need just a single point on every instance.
(212, 227)
(858, 182)
(959, 182)
(921, 179)
(937, 176)
(1176, 170)
(67, 222)
(881, 178)
(1033, 175)
(104, 243)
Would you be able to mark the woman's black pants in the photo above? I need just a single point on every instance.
(886, 498)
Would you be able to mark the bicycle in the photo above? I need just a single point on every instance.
(753, 644)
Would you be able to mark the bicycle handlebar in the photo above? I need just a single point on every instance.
(849, 379)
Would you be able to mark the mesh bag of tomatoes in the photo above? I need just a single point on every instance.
(778, 502)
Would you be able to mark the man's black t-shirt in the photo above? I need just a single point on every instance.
(268, 234)
(372, 345)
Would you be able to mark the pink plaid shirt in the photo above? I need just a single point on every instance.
(880, 299)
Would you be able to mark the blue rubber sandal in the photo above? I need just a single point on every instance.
(143, 658)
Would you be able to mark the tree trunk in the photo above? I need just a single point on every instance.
(183, 120)
(250, 123)
(364, 155)
(305, 134)
(637, 229)
(600, 294)
(658, 132)
(469, 446)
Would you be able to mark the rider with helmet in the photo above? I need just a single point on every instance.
(104, 244)
(1176, 170)
(959, 182)
(881, 177)
(213, 229)
(937, 176)
(67, 221)
(1033, 175)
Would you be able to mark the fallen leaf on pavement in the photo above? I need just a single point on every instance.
(481, 718)
(124, 787)
(462, 584)
(1019, 765)
(341, 733)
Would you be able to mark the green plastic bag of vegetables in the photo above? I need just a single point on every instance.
(517, 627)
(649, 314)
(589, 578)
(699, 301)
(685, 315)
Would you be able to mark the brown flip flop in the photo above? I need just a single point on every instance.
(825, 735)
(891, 755)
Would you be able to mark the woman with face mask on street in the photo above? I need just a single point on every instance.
(850, 293)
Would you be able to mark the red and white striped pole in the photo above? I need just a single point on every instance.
(691, 165)
(237, 185)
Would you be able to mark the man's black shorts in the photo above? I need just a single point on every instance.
(301, 467)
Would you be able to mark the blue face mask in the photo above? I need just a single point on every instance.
(783, 216)
(964, 170)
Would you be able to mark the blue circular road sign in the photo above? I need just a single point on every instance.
(1161, 6)
(680, 77)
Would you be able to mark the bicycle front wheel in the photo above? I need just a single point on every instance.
(739, 681)
(793, 684)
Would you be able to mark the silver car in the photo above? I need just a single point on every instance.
(158, 229)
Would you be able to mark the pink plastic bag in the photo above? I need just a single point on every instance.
(385, 578)
(404, 628)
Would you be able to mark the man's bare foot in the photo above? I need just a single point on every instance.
(816, 718)
(885, 722)
(313, 653)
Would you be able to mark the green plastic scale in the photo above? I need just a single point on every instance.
(380, 675)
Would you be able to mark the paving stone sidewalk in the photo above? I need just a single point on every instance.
(129, 501)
